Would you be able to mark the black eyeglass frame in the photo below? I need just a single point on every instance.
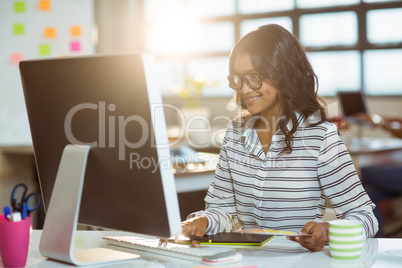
(243, 79)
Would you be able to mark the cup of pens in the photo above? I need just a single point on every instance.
(14, 241)
(15, 227)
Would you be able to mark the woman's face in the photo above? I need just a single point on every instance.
(262, 100)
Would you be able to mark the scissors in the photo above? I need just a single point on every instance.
(23, 205)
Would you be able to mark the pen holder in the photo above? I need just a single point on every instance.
(14, 242)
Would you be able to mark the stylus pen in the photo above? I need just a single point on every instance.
(24, 212)
(7, 213)
(198, 238)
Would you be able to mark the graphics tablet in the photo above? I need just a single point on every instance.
(227, 239)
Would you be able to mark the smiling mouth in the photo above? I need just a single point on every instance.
(253, 98)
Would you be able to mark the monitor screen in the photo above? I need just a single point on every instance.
(111, 104)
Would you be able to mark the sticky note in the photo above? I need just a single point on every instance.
(15, 58)
(50, 32)
(18, 28)
(44, 50)
(75, 31)
(75, 46)
(44, 5)
(19, 7)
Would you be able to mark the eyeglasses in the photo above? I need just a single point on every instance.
(253, 81)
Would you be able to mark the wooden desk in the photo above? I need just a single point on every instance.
(377, 253)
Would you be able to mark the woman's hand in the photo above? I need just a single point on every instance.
(319, 238)
(194, 226)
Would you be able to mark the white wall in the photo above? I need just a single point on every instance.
(14, 127)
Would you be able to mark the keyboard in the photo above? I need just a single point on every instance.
(150, 245)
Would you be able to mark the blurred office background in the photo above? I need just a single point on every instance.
(354, 45)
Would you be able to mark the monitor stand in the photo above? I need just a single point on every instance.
(58, 235)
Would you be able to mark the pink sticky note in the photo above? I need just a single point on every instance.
(15, 58)
(75, 46)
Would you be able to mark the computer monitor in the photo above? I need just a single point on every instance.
(111, 104)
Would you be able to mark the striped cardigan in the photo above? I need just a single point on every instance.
(284, 190)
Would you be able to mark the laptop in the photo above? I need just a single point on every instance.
(352, 103)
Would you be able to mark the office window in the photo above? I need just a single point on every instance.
(157, 10)
(249, 25)
(190, 37)
(324, 3)
(169, 28)
(382, 72)
(170, 75)
(215, 71)
(212, 37)
(336, 71)
(329, 29)
(380, 1)
(196, 36)
(384, 25)
(262, 6)
(202, 9)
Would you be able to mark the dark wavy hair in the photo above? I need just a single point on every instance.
(277, 55)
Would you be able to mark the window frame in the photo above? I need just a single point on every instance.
(361, 9)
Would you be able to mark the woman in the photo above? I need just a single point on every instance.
(279, 162)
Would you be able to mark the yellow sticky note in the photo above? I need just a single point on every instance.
(44, 5)
(75, 31)
(19, 7)
(44, 50)
(18, 28)
(50, 32)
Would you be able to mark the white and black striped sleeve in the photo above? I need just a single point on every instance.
(340, 183)
(220, 199)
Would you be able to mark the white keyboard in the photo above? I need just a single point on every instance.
(172, 250)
